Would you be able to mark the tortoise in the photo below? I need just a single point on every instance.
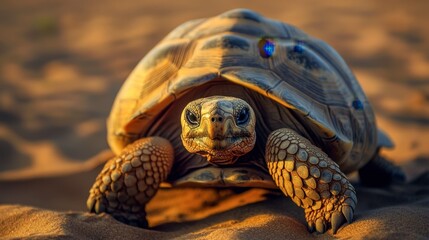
(240, 100)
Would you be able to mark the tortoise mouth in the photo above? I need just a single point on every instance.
(220, 151)
(220, 144)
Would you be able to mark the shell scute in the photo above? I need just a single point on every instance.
(227, 42)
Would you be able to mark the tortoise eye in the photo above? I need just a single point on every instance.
(191, 118)
(243, 116)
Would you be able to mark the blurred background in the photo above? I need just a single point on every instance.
(62, 63)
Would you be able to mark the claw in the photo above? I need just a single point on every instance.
(90, 203)
(348, 213)
(349, 202)
(337, 220)
(311, 227)
(351, 194)
(99, 207)
(320, 226)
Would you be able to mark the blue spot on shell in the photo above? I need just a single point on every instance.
(266, 47)
(357, 104)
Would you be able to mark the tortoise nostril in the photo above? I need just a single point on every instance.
(216, 119)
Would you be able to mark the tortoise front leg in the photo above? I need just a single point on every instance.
(313, 181)
(128, 181)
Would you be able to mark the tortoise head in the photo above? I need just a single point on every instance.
(219, 128)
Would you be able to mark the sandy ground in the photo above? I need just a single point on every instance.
(61, 64)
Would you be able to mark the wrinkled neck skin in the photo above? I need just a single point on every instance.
(268, 114)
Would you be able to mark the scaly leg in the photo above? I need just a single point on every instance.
(313, 181)
(128, 181)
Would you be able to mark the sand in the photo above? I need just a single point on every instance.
(398, 212)
(61, 64)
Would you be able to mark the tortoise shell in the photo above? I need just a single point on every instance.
(271, 58)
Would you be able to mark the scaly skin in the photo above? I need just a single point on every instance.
(128, 181)
(313, 181)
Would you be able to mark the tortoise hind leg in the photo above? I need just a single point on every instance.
(313, 181)
(379, 172)
(128, 181)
